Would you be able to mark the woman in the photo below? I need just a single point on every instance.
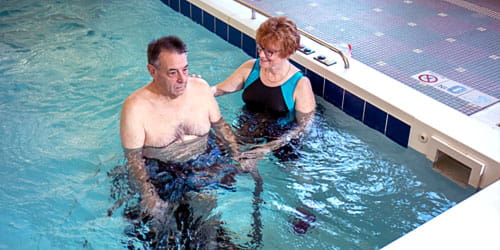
(274, 91)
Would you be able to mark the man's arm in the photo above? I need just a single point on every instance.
(221, 128)
(151, 203)
(223, 131)
(226, 134)
(132, 131)
(132, 135)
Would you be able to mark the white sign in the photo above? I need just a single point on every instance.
(454, 88)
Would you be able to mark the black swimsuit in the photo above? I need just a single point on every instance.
(269, 112)
(274, 100)
(261, 98)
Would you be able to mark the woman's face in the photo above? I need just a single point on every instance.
(270, 54)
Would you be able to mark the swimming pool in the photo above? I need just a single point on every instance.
(67, 67)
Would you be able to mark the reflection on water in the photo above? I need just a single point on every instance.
(353, 188)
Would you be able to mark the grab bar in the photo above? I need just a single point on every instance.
(323, 43)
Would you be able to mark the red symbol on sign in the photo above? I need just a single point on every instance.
(427, 78)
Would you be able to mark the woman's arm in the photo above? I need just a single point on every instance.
(305, 106)
(303, 96)
(304, 121)
(235, 81)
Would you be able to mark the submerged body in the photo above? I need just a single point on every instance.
(193, 165)
(179, 151)
(186, 185)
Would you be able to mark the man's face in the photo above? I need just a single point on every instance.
(171, 73)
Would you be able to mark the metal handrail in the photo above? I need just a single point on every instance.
(323, 43)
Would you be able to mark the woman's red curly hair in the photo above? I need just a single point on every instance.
(279, 31)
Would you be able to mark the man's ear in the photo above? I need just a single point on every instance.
(151, 69)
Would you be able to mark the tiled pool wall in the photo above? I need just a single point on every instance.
(369, 114)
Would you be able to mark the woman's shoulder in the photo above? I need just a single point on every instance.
(304, 83)
(249, 63)
(245, 68)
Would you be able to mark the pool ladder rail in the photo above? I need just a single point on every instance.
(319, 58)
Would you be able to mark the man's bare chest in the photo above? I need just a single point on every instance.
(168, 125)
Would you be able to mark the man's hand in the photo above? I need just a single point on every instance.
(248, 165)
(249, 159)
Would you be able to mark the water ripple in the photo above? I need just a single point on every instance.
(67, 66)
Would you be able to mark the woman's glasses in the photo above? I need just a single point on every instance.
(269, 53)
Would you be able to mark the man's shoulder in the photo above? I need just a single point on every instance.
(198, 82)
(137, 99)
(199, 85)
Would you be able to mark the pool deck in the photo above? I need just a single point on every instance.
(445, 49)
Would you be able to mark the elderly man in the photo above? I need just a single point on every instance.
(166, 124)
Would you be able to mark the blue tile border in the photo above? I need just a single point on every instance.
(208, 21)
(317, 82)
(175, 5)
(166, 2)
(196, 14)
(186, 8)
(221, 29)
(334, 94)
(398, 131)
(234, 37)
(249, 45)
(353, 105)
(373, 117)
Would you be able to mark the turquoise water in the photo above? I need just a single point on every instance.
(65, 69)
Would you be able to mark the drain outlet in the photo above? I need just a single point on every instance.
(458, 163)
(453, 169)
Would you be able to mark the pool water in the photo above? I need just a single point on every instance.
(67, 66)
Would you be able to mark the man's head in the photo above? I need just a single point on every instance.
(167, 64)
(167, 43)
